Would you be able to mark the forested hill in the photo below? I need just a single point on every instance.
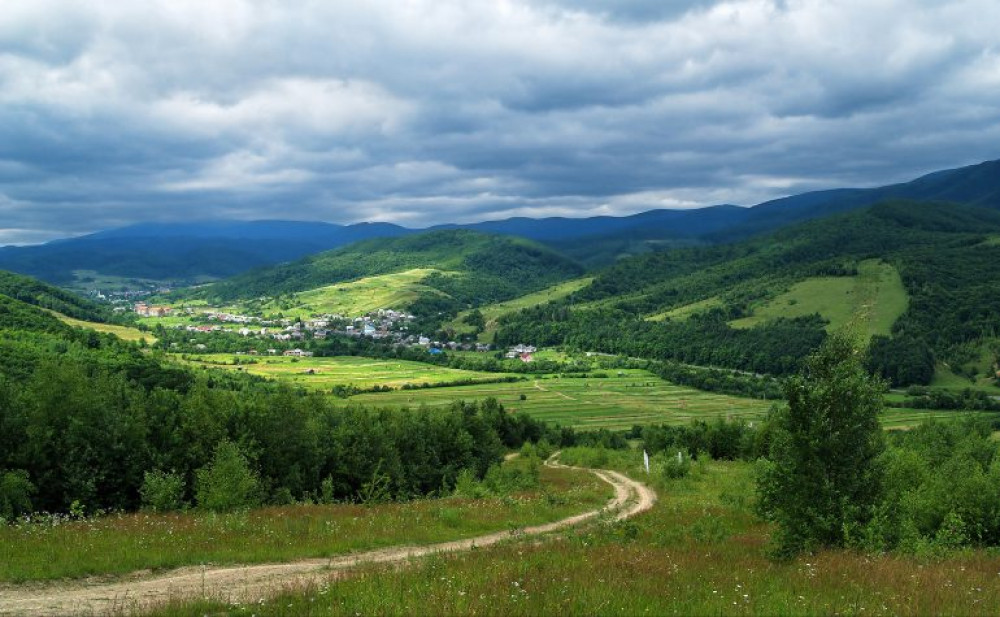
(692, 304)
(36, 293)
(471, 267)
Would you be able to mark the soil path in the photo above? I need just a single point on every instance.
(252, 583)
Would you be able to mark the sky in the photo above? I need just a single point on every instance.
(420, 112)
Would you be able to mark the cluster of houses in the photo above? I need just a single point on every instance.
(524, 352)
(148, 310)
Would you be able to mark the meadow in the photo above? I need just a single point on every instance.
(699, 551)
(869, 302)
(57, 548)
(325, 373)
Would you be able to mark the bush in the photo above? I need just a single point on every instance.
(15, 494)
(227, 482)
(162, 491)
(675, 469)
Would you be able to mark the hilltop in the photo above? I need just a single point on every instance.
(448, 270)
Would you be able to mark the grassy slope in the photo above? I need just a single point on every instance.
(699, 551)
(687, 310)
(493, 312)
(450, 250)
(355, 371)
(870, 302)
(123, 332)
(358, 297)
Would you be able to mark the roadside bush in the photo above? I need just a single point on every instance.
(162, 491)
(227, 482)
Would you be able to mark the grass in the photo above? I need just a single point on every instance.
(869, 302)
(125, 543)
(683, 312)
(123, 332)
(493, 312)
(699, 551)
(615, 402)
(342, 370)
(394, 291)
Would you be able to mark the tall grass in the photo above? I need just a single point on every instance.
(52, 547)
(700, 551)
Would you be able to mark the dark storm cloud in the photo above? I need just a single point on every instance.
(425, 112)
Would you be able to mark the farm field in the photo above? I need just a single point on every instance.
(615, 402)
(493, 312)
(324, 373)
(870, 302)
(123, 332)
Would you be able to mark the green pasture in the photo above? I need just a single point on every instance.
(869, 302)
(324, 373)
(493, 312)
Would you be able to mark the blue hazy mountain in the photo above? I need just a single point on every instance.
(218, 248)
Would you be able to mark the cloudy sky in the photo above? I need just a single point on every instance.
(425, 111)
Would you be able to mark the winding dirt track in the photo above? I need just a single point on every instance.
(254, 582)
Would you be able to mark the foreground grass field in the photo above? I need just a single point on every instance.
(127, 543)
(870, 302)
(324, 373)
(700, 551)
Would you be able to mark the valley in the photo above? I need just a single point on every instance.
(323, 421)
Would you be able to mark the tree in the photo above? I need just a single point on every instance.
(227, 482)
(823, 478)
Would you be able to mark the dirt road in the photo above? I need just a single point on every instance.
(254, 582)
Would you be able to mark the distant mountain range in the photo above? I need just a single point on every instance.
(218, 249)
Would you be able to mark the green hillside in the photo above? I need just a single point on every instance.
(490, 268)
(867, 303)
(36, 293)
(915, 276)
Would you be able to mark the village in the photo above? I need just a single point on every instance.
(383, 324)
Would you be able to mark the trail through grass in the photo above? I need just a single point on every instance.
(700, 551)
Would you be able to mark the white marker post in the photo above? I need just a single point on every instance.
(645, 460)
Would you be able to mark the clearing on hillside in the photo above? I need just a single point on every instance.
(395, 291)
(493, 312)
(123, 332)
(683, 312)
(870, 301)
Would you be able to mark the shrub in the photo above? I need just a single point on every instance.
(227, 482)
(162, 491)
(15, 494)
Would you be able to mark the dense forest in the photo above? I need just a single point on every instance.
(940, 250)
